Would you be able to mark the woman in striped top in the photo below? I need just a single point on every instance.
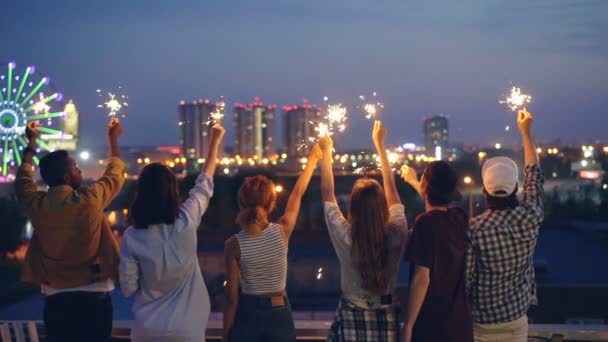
(256, 258)
(369, 245)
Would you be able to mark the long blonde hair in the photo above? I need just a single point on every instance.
(368, 215)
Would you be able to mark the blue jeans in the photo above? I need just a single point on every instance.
(258, 320)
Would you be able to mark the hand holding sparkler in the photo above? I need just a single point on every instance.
(32, 132)
(114, 129)
(379, 134)
(315, 153)
(326, 143)
(217, 133)
(524, 122)
(408, 174)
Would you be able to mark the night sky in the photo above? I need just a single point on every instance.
(422, 57)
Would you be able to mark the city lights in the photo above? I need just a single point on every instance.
(468, 180)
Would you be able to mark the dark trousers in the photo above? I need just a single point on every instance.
(258, 320)
(78, 317)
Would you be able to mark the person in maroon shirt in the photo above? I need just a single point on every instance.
(437, 309)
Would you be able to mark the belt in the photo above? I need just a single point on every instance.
(263, 301)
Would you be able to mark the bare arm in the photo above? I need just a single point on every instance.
(327, 172)
(524, 122)
(419, 286)
(410, 177)
(290, 217)
(114, 131)
(231, 253)
(217, 134)
(390, 189)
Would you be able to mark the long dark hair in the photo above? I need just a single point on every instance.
(256, 197)
(368, 216)
(157, 197)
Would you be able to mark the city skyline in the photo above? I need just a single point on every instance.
(423, 59)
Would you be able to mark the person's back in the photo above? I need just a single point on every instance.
(172, 302)
(369, 246)
(263, 261)
(73, 255)
(159, 260)
(439, 242)
(256, 259)
(437, 309)
(500, 271)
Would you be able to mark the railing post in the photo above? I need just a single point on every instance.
(18, 330)
(32, 331)
(5, 333)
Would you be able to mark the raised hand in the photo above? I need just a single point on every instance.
(114, 129)
(378, 134)
(524, 122)
(326, 143)
(217, 133)
(408, 174)
(316, 152)
(32, 132)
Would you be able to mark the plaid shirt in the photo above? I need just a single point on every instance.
(500, 272)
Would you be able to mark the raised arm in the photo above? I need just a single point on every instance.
(217, 134)
(192, 210)
(108, 186)
(390, 189)
(327, 173)
(410, 177)
(533, 182)
(25, 186)
(524, 122)
(231, 254)
(290, 217)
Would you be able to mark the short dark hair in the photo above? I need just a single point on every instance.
(501, 203)
(441, 183)
(157, 197)
(54, 166)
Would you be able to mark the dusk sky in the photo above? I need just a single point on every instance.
(421, 57)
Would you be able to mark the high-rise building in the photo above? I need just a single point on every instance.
(195, 126)
(254, 130)
(299, 128)
(69, 126)
(436, 135)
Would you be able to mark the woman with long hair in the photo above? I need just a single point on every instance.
(256, 258)
(158, 259)
(369, 245)
(437, 309)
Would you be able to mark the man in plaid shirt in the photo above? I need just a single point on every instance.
(500, 272)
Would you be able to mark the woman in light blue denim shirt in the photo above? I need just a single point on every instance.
(158, 260)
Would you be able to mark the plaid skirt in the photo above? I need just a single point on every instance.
(353, 323)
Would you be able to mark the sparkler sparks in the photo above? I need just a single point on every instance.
(41, 107)
(371, 108)
(517, 100)
(115, 103)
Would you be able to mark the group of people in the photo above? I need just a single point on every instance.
(471, 279)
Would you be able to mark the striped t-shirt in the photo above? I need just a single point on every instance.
(263, 261)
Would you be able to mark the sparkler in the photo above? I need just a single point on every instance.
(371, 108)
(115, 103)
(517, 100)
(41, 107)
(217, 114)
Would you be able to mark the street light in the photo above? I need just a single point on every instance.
(469, 181)
(278, 188)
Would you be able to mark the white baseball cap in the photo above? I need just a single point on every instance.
(499, 176)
